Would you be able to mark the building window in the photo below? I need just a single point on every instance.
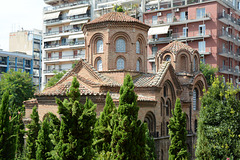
(201, 47)
(195, 99)
(100, 46)
(138, 65)
(154, 50)
(195, 67)
(120, 45)
(151, 122)
(99, 65)
(183, 63)
(200, 13)
(167, 128)
(195, 126)
(202, 30)
(120, 63)
(183, 16)
(153, 67)
(137, 47)
(167, 58)
(168, 107)
(169, 17)
(185, 31)
(154, 19)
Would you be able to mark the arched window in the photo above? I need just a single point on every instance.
(138, 65)
(99, 65)
(195, 99)
(167, 58)
(162, 104)
(167, 107)
(100, 46)
(151, 122)
(167, 129)
(120, 63)
(120, 45)
(165, 91)
(183, 63)
(161, 129)
(195, 67)
(195, 126)
(137, 47)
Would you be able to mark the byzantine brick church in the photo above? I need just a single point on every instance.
(116, 45)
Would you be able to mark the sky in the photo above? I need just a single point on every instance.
(17, 14)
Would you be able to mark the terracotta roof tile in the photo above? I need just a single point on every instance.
(115, 17)
(151, 80)
(175, 47)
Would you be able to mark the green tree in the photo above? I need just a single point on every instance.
(104, 126)
(55, 78)
(178, 133)
(129, 139)
(43, 143)
(208, 71)
(5, 132)
(19, 131)
(76, 130)
(220, 115)
(32, 134)
(117, 8)
(150, 147)
(20, 87)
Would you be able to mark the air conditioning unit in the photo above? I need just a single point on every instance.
(159, 14)
(177, 10)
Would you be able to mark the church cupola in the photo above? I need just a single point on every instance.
(116, 42)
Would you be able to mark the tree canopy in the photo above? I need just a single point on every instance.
(53, 80)
(208, 71)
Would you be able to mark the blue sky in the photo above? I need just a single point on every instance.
(16, 14)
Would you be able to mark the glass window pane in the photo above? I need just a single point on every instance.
(100, 46)
(138, 65)
(99, 65)
(120, 63)
(120, 45)
(137, 47)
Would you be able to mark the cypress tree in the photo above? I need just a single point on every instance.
(5, 132)
(128, 140)
(178, 133)
(150, 147)
(76, 130)
(44, 145)
(32, 133)
(104, 126)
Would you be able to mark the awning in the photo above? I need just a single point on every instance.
(78, 22)
(52, 39)
(51, 16)
(76, 36)
(158, 30)
(77, 11)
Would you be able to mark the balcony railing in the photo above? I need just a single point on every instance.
(3, 62)
(229, 70)
(52, 8)
(63, 44)
(68, 18)
(195, 35)
(82, 56)
(229, 37)
(55, 70)
(63, 31)
(176, 21)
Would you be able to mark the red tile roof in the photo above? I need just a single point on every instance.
(175, 47)
(115, 17)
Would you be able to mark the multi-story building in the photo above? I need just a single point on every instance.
(29, 42)
(63, 41)
(15, 61)
(210, 26)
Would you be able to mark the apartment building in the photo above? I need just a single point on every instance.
(210, 26)
(15, 61)
(29, 42)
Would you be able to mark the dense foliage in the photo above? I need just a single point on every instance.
(208, 71)
(178, 134)
(53, 80)
(129, 139)
(32, 134)
(19, 85)
(219, 121)
(76, 130)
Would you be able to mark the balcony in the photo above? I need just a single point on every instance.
(53, 8)
(229, 70)
(53, 71)
(50, 1)
(65, 20)
(72, 30)
(64, 58)
(226, 53)
(224, 35)
(181, 36)
(57, 46)
(174, 21)
(229, 20)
